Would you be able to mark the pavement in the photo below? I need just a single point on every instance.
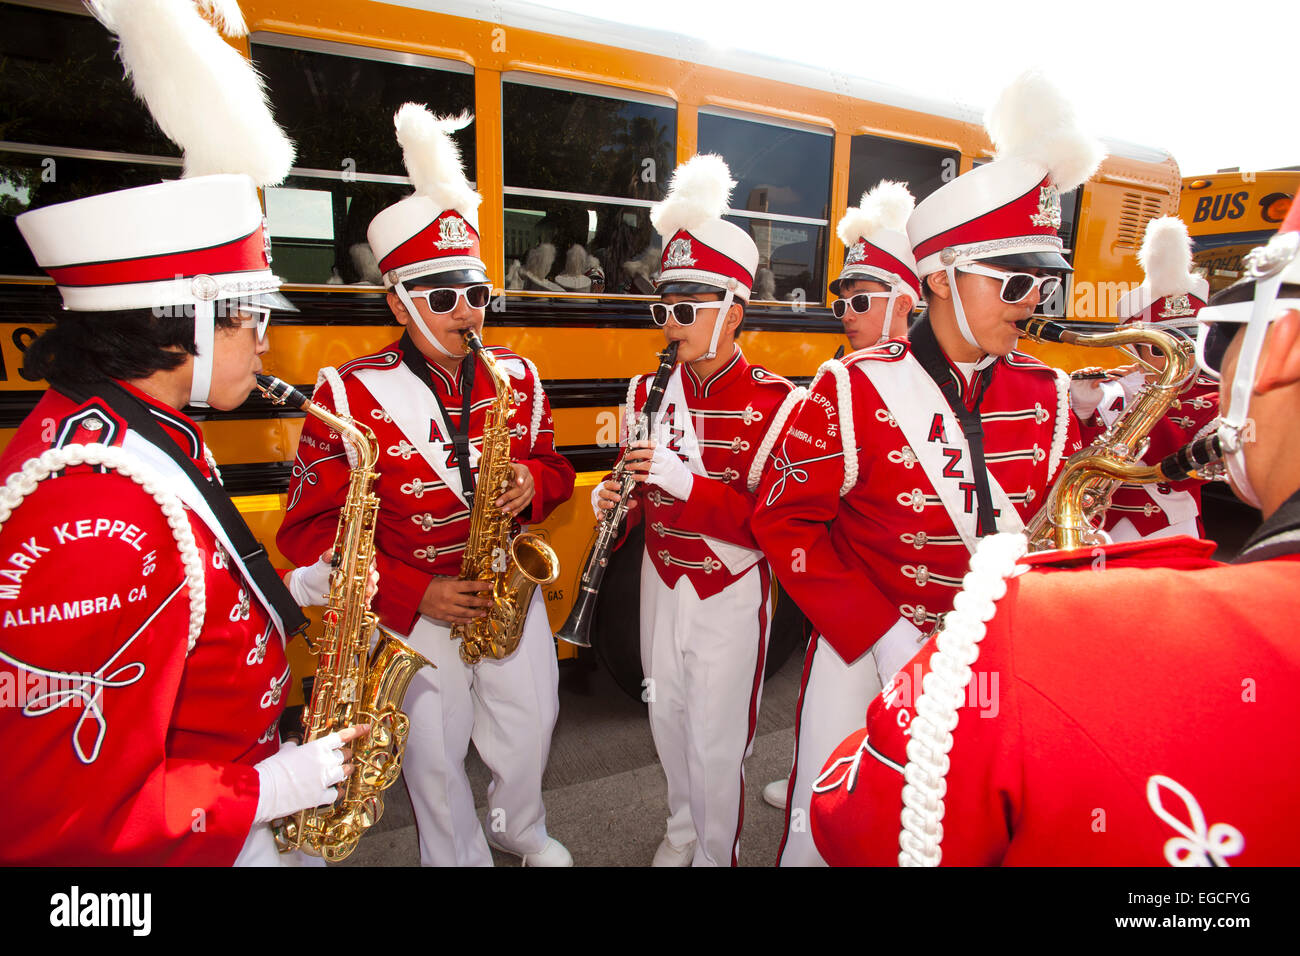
(605, 794)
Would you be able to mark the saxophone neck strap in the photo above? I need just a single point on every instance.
(253, 559)
(931, 358)
(458, 432)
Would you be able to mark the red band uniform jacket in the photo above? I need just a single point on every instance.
(731, 411)
(1136, 714)
(856, 559)
(422, 525)
(125, 747)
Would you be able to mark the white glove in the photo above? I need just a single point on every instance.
(298, 778)
(595, 498)
(670, 473)
(310, 585)
(1085, 396)
(896, 647)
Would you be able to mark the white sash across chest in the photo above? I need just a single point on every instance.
(734, 557)
(412, 407)
(913, 398)
(179, 484)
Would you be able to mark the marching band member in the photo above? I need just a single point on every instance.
(426, 405)
(1169, 298)
(705, 587)
(904, 455)
(877, 290)
(1096, 754)
(143, 623)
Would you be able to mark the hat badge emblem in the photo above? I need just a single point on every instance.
(453, 234)
(205, 288)
(679, 254)
(1049, 208)
(266, 239)
(1177, 306)
(857, 253)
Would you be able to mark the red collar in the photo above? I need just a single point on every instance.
(733, 371)
(179, 426)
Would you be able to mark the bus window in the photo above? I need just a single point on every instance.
(583, 165)
(70, 124)
(337, 102)
(782, 198)
(923, 168)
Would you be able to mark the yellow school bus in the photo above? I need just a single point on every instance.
(1230, 213)
(578, 125)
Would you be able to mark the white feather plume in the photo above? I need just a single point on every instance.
(1032, 120)
(700, 191)
(433, 158)
(887, 205)
(1166, 257)
(204, 95)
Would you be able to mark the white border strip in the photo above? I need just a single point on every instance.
(358, 52)
(609, 92)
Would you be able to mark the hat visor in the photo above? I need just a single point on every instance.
(454, 277)
(1032, 260)
(686, 288)
(265, 300)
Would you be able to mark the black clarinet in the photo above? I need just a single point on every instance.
(577, 627)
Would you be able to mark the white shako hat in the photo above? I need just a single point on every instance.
(432, 235)
(193, 244)
(1007, 212)
(877, 247)
(702, 251)
(1170, 295)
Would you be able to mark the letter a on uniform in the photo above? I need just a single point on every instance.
(936, 430)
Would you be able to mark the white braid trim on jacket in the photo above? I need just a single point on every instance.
(848, 440)
(944, 691)
(54, 460)
(341, 408)
(774, 430)
(538, 398)
(629, 408)
(1062, 423)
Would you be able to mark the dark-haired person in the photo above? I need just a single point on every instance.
(142, 661)
(426, 399)
(705, 587)
(905, 454)
(1168, 736)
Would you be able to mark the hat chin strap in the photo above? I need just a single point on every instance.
(962, 325)
(721, 321)
(204, 342)
(414, 313)
(889, 317)
(1232, 426)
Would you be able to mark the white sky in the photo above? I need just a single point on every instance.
(1215, 83)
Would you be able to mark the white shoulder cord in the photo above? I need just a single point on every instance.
(1062, 423)
(848, 440)
(212, 464)
(944, 691)
(35, 470)
(774, 430)
(330, 375)
(538, 399)
(629, 408)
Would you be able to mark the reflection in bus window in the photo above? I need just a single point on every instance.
(782, 195)
(582, 169)
(337, 103)
(923, 168)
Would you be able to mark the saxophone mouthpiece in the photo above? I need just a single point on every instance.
(279, 391)
(1045, 330)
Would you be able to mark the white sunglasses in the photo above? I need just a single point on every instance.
(259, 319)
(1016, 286)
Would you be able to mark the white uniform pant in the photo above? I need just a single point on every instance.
(833, 703)
(508, 708)
(703, 661)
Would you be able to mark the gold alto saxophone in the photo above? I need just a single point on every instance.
(514, 564)
(1082, 491)
(353, 685)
